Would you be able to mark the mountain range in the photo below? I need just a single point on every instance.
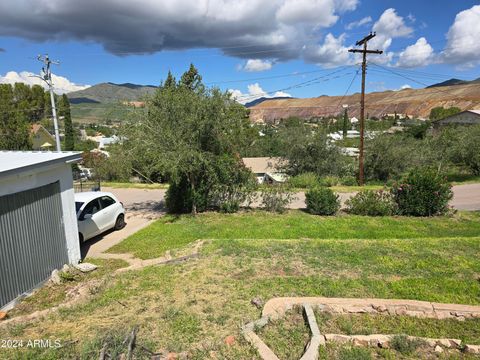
(413, 102)
(111, 93)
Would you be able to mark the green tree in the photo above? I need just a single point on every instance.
(170, 81)
(64, 110)
(439, 112)
(186, 134)
(37, 103)
(14, 126)
(192, 80)
(346, 123)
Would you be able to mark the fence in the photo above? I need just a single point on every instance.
(87, 185)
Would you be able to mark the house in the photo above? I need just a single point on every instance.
(41, 138)
(38, 224)
(467, 117)
(266, 169)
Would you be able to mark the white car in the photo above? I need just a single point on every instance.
(98, 212)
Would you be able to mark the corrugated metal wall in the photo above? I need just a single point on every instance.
(32, 239)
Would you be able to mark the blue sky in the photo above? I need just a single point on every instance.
(269, 47)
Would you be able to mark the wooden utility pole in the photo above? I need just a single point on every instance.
(364, 51)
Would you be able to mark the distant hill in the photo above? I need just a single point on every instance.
(412, 102)
(262, 99)
(453, 82)
(449, 83)
(111, 93)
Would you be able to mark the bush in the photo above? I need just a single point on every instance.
(276, 198)
(422, 193)
(304, 181)
(404, 345)
(322, 201)
(328, 181)
(348, 181)
(371, 203)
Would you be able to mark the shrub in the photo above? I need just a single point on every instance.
(328, 181)
(404, 345)
(348, 181)
(276, 198)
(371, 203)
(304, 181)
(322, 201)
(423, 192)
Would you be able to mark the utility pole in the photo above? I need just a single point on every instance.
(364, 51)
(47, 77)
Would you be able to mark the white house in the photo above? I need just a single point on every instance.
(38, 224)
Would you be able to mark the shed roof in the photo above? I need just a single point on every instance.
(12, 162)
(261, 165)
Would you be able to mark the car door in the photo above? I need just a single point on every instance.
(88, 221)
(107, 214)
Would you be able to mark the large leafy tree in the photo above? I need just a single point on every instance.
(64, 110)
(187, 134)
(14, 125)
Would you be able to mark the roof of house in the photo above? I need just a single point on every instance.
(448, 118)
(36, 127)
(12, 162)
(261, 165)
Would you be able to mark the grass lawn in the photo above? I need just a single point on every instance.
(127, 185)
(193, 306)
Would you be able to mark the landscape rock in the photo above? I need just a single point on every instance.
(172, 356)
(230, 340)
(342, 339)
(55, 277)
(438, 349)
(85, 267)
(258, 302)
(472, 349)
(3, 315)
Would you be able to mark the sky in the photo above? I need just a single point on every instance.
(252, 48)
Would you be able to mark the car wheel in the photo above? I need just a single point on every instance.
(120, 223)
(80, 237)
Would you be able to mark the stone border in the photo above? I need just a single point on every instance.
(277, 307)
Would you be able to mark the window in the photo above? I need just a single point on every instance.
(92, 208)
(106, 201)
(78, 206)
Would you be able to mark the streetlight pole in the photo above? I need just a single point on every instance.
(47, 77)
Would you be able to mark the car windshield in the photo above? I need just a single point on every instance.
(78, 205)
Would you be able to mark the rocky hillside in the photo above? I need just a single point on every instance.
(413, 102)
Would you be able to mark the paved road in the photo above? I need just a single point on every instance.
(143, 206)
(151, 202)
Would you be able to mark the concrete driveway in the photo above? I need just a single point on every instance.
(142, 208)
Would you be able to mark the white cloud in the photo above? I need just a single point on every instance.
(403, 87)
(331, 53)
(61, 84)
(389, 26)
(355, 24)
(317, 12)
(255, 91)
(462, 46)
(418, 54)
(254, 65)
